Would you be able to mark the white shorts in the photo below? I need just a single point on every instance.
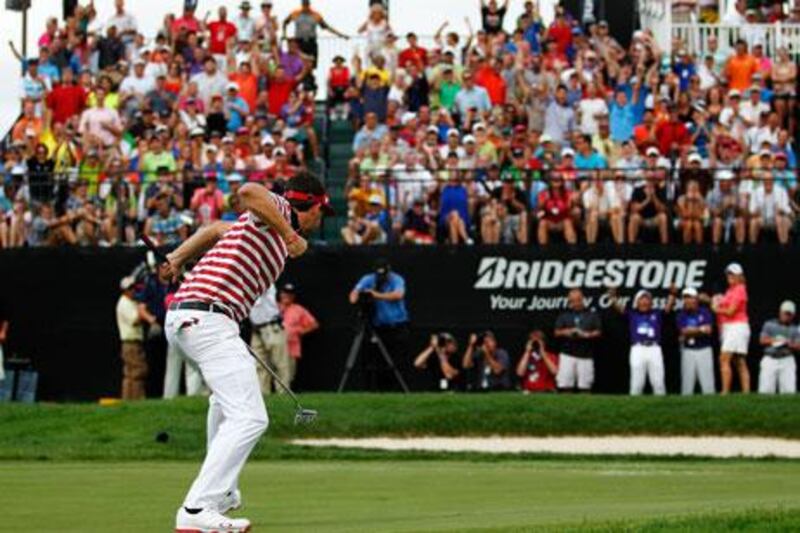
(735, 338)
(575, 372)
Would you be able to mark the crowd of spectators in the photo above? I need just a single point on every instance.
(518, 132)
(122, 133)
(524, 132)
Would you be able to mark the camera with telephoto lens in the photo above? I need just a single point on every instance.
(442, 339)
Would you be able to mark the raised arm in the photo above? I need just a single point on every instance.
(195, 246)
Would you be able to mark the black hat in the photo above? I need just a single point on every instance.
(382, 265)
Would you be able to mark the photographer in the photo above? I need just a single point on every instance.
(488, 365)
(380, 297)
(538, 367)
(444, 345)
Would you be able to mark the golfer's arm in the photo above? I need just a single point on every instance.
(255, 198)
(198, 243)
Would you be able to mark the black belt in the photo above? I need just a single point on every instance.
(646, 343)
(200, 306)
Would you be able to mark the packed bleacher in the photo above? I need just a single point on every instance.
(520, 132)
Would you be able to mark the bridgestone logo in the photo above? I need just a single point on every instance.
(500, 273)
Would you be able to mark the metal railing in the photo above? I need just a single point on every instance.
(695, 36)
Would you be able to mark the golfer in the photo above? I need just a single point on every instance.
(243, 259)
(734, 326)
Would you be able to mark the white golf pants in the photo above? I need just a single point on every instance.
(172, 376)
(236, 415)
(697, 364)
(647, 363)
(777, 374)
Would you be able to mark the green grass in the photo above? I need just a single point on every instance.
(126, 432)
(375, 496)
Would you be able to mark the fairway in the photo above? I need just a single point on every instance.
(398, 496)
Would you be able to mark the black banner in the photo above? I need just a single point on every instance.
(61, 302)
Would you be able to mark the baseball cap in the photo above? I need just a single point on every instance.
(432, 129)
(694, 157)
(289, 287)
(725, 175)
(652, 151)
(546, 138)
(788, 307)
(227, 139)
(375, 199)
(689, 292)
(197, 132)
(469, 139)
(267, 141)
(765, 153)
(479, 126)
(734, 93)
(452, 132)
(232, 85)
(567, 152)
(235, 177)
(641, 294)
(734, 268)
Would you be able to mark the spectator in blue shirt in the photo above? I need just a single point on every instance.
(235, 108)
(684, 69)
(622, 118)
(370, 131)
(471, 97)
(454, 209)
(695, 323)
(388, 290)
(587, 158)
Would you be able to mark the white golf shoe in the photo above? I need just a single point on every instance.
(231, 502)
(209, 521)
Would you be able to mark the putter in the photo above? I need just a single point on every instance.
(301, 415)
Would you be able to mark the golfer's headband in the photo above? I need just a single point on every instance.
(321, 199)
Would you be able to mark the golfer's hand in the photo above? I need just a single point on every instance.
(174, 268)
(296, 245)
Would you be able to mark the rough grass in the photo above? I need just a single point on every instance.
(127, 431)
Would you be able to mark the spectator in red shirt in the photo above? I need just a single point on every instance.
(220, 32)
(488, 76)
(188, 22)
(208, 202)
(672, 135)
(560, 31)
(538, 367)
(297, 322)
(280, 86)
(66, 100)
(555, 204)
(413, 54)
(338, 82)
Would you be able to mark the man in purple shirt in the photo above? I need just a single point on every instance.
(644, 325)
(695, 324)
(292, 60)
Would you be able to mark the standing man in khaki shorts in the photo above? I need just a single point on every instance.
(131, 336)
(268, 341)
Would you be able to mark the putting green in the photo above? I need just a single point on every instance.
(397, 496)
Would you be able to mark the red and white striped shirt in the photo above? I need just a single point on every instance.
(240, 267)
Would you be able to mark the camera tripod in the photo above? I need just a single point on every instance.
(365, 329)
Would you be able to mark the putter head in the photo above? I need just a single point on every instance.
(304, 416)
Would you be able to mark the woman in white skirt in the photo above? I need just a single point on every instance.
(734, 326)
